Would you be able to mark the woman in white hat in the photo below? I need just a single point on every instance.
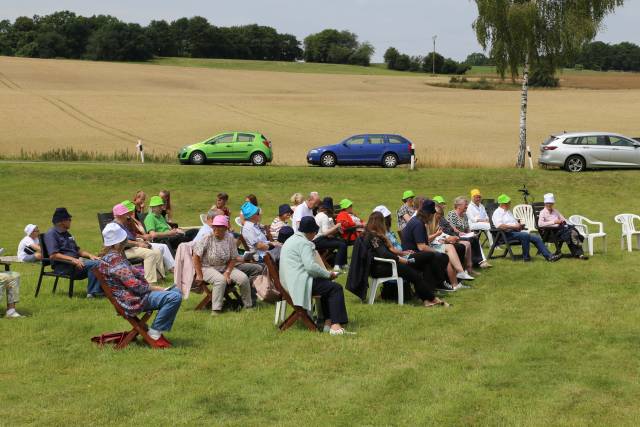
(551, 218)
(131, 290)
(29, 247)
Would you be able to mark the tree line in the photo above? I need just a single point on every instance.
(432, 62)
(602, 56)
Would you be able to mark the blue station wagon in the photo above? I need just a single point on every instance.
(385, 150)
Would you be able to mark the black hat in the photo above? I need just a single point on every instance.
(308, 225)
(61, 214)
(284, 233)
(284, 209)
(327, 203)
(428, 206)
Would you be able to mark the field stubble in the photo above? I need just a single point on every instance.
(106, 107)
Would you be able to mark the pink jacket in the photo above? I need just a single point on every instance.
(548, 219)
(184, 273)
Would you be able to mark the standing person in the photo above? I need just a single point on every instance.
(221, 203)
(10, 283)
(139, 201)
(504, 220)
(351, 224)
(214, 259)
(406, 211)
(62, 247)
(252, 232)
(282, 220)
(551, 218)
(130, 289)
(328, 237)
(305, 209)
(29, 247)
(477, 215)
(303, 277)
(159, 228)
(152, 258)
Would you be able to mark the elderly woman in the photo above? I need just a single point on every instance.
(551, 218)
(303, 277)
(459, 226)
(29, 248)
(477, 215)
(130, 289)
(406, 211)
(214, 259)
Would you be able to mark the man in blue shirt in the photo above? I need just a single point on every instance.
(62, 248)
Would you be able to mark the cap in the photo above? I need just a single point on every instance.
(503, 199)
(428, 206)
(284, 209)
(29, 229)
(407, 195)
(120, 209)
(345, 203)
(220, 221)
(113, 234)
(60, 214)
(475, 192)
(439, 199)
(284, 233)
(308, 225)
(248, 209)
(156, 201)
(129, 205)
(383, 210)
(549, 198)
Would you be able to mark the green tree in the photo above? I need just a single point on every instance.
(390, 57)
(161, 38)
(520, 32)
(119, 41)
(428, 64)
(362, 55)
(330, 46)
(403, 62)
(477, 59)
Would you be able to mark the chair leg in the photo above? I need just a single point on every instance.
(590, 245)
(293, 317)
(277, 316)
(71, 281)
(39, 284)
(373, 289)
(55, 285)
(629, 243)
(604, 242)
(127, 339)
(400, 282)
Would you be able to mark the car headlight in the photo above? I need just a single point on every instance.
(313, 152)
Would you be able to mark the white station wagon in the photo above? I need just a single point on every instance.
(578, 151)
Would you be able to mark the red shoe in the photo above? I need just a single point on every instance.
(161, 342)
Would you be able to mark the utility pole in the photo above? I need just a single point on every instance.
(433, 57)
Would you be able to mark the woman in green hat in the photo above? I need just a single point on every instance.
(406, 211)
(351, 224)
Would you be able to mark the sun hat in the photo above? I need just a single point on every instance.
(129, 205)
(439, 199)
(475, 192)
(156, 201)
(503, 199)
(428, 206)
(383, 210)
(407, 195)
(248, 209)
(60, 214)
(308, 225)
(113, 234)
(120, 209)
(327, 203)
(284, 209)
(549, 198)
(29, 229)
(220, 221)
(284, 233)
(345, 204)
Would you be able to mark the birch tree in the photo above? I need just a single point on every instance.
(522, 33)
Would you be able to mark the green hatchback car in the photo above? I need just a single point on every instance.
(229, 147)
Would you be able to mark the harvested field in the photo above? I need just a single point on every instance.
(107, 106)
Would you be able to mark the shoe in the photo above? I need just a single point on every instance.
(13, 314)
(446, 287)
(326, 329)
(485, 264)
(463, 286)
(89, 295)
(553, 258)
(163, 342)
(583, 257)
(464, 276)
(340, 331)
(216, 312)
(526, 259)
(337, 269)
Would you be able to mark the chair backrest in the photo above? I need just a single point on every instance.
(238, 221)
(537, 208)
(491, 208)
(203, 219)
(45, 252)
(107, 292)
(525, 214)
(486, 202)
(275, 277)
(627, 222)
(104, 219)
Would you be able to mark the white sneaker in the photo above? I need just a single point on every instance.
(340, 331)
(464, 275)
(337, 269)
(458, 287)
(12, 314)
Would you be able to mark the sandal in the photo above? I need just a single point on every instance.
(437, 302)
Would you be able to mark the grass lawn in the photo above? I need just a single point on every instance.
(531, 344)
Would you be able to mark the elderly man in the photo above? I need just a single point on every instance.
(66, 255)
(252, 233)
(504, 220)
(303, 277)
(207, 228)
(477, 215)
(551, 218)
(305, 209)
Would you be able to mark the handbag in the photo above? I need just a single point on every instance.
(265, 289)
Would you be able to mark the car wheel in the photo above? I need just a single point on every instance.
(258, 159)
(389, 160)
(328, 160)
(575, 164)
(197, 158)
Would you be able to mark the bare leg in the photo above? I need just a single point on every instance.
(467, 255)
(454, 260)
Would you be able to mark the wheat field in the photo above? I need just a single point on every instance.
(105, 107)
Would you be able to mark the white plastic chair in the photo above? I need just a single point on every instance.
(238, 221)
(203, 219)
(394, 276)
(525, 214)
(582, 225)
(628, 230)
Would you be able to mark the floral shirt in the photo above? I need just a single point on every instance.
(216, 253)
(404, 210)
(127, 283)
(461, 223)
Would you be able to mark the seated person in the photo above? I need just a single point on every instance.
(253, 233)
(446, 244)
(551, 218)
(375, 235)
(208, 227)
(406, 211)
(351, 224)
(282, 220)
(139, 201)
(29, 247)
(130, 289)
(66, 256)
(458, 225)
(303, 277)
(152, 258)
(167, 209)
(10, 282)
(328, 237)
(504, 220)
(305, 208)
(296, 199)
(221, 204)
(137, 228)
(159, 228)
(214, 260)
(283, 235)
(477, 215)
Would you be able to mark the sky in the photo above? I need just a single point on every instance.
(407, 25)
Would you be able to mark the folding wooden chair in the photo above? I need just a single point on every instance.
(231, 296)
(138, 324)
(299, 313)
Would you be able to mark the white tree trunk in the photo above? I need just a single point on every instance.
(523, 115)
